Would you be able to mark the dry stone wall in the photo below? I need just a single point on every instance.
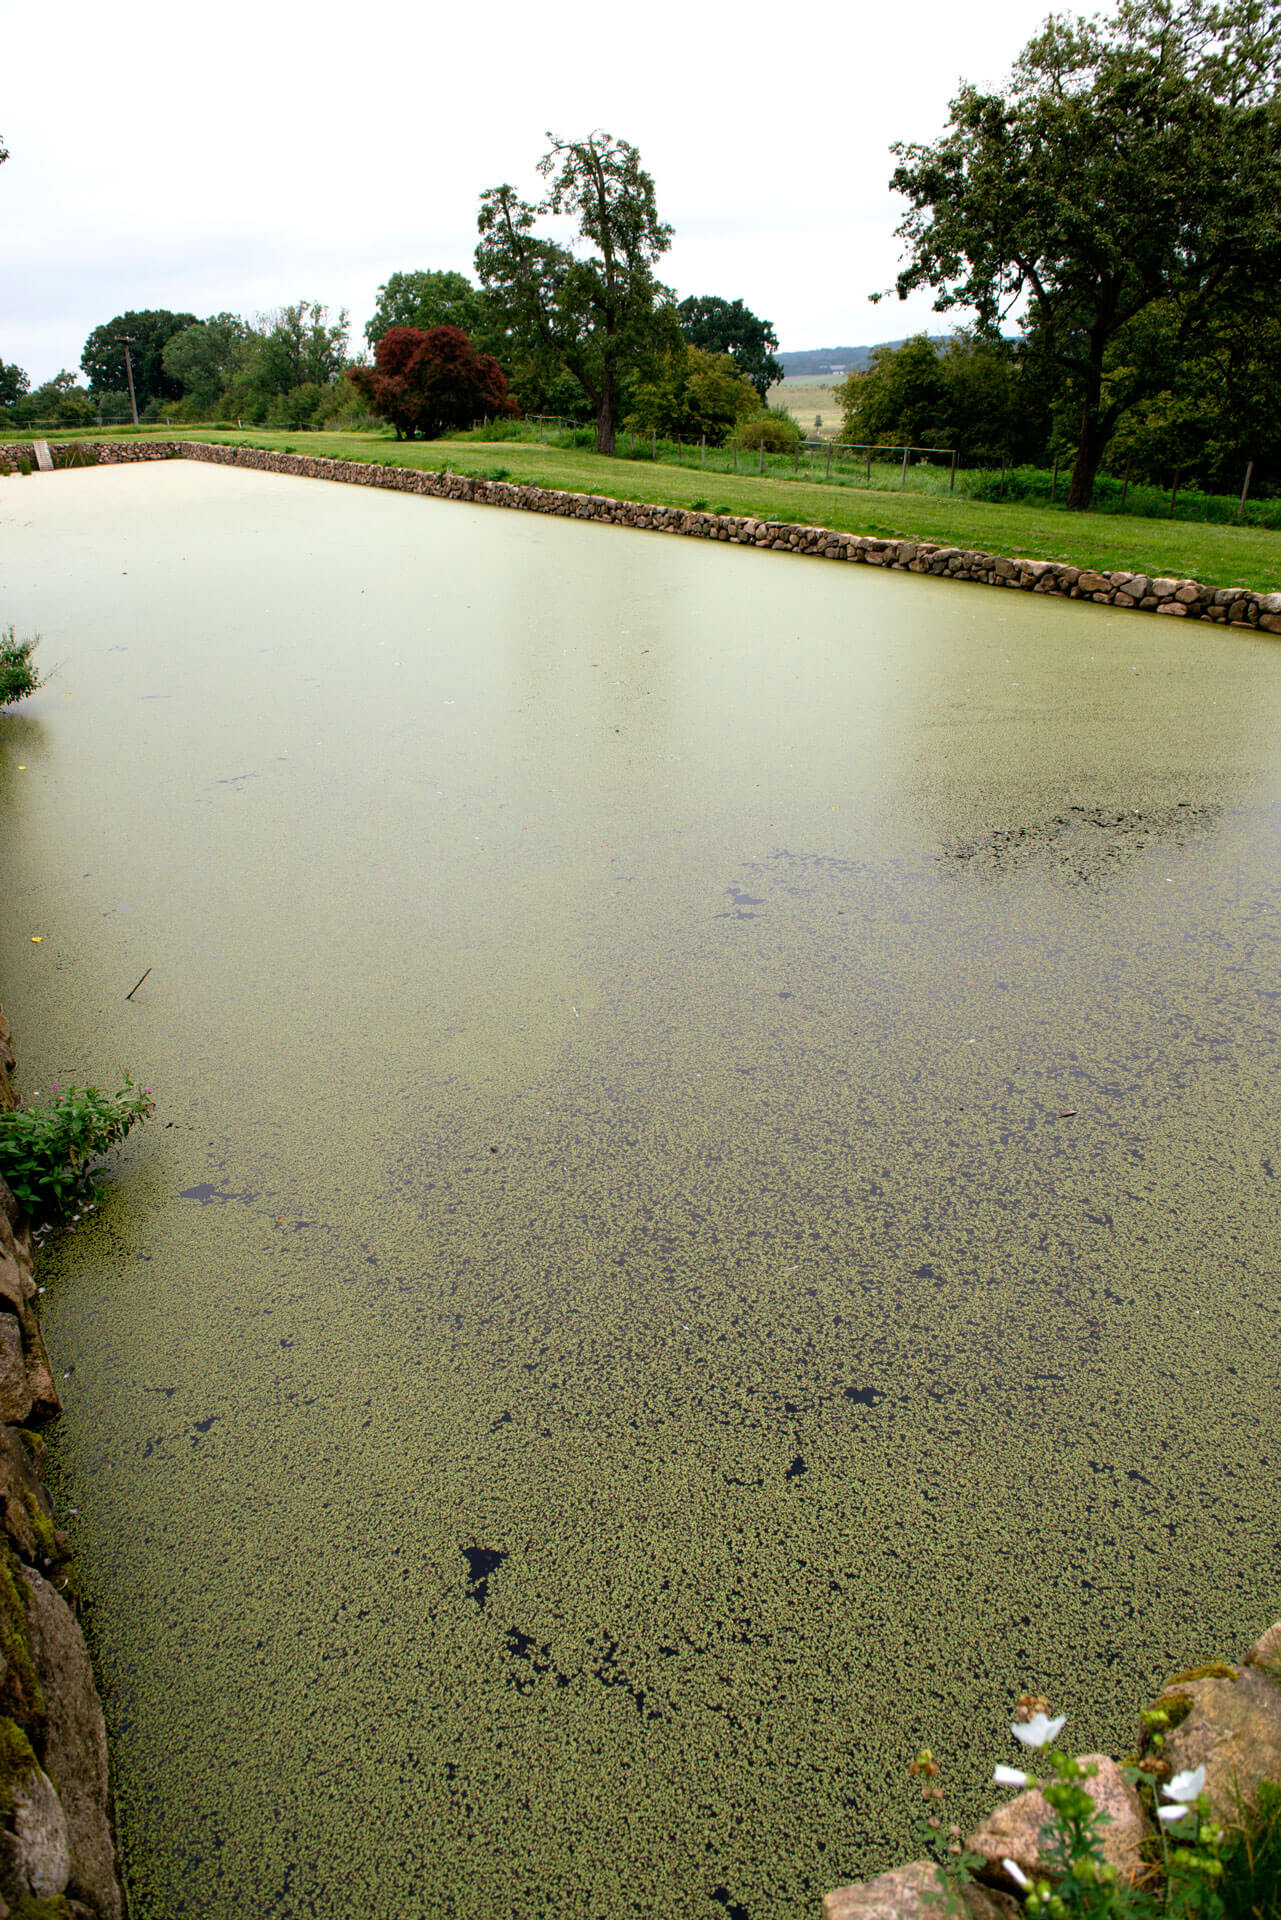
(1178, 599)
(55, 1828)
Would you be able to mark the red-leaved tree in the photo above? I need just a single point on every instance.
(425, 382)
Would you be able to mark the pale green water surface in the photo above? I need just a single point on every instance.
(712, 1213)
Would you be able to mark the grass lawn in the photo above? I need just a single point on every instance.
(1216, 555)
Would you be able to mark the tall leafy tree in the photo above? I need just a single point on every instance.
(725, 326)
(205, 358)
(426, 381)
(425, 299)
(1133, 163)
(974, 392)
(103, 359)
(13, 383)
(298, 346)
(594, 308)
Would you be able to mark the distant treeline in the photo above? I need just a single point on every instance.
(817, 361)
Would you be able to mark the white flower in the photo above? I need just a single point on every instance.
(1173, 1813)
(1009, 1777)
(1038, 1731)
(1185, 1786)
(1017, 1874)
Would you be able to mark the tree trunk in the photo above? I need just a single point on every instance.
(605, 414)
(1090, 451)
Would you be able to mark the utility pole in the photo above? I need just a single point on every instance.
(128, 342)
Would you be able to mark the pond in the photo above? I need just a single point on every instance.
(712, 1209)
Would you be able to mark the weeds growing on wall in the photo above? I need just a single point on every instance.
(48, 1154)
(18, 677)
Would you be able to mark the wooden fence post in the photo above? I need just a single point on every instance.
(951, 485)
(902, 479)
(1125, 486)
(734, 445)
(702, 458)
(796, 459)
(1174, 490)
(653, 443)
(1054, 480)
(869, 466)
(828, 474)
(761, 466)
(1245, 489)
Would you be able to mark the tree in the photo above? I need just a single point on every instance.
(425, 300)
(975, 392)
(720, 326)
(596, 313)
(899, 400)
(103, 359)
(61, 402)
(691, 393)
(13, 383)
(428, 381)
(205, 358)
(1135, 162)
(297, 346)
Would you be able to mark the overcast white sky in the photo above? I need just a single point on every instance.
(254, 153)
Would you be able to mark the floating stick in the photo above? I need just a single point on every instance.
(133, 990)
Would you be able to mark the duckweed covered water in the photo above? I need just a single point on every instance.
(712, 1214)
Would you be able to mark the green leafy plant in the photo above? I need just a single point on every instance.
(1079, 1882)
(1251, 1884)
(956, 1866)
(18, 677)
(48, 1153)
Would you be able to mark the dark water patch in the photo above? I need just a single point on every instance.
(734, 1909)
(482, 1563)
(863, 1396)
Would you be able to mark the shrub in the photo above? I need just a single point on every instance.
(774, 429)
(18, 677)
(47, 1154)
(114, 410)
(427, 381)
(74, 453)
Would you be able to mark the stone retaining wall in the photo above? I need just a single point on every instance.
(55, 1828)
(1182, 599)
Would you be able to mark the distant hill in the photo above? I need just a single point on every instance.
(820, 360)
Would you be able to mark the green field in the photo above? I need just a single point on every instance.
(1221, 556)
(805, 396)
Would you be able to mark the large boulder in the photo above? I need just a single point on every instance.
(35, 1859)
(1013, 1831)
(1231, 1725)
(912, 1893)
(75, 1746)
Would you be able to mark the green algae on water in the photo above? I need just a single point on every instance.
(712, 1212)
